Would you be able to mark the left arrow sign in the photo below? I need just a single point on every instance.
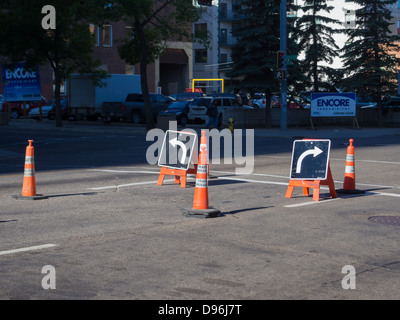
(175, 142)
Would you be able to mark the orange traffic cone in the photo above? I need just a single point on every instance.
(200, 202)
(349, 183)
(29, 183)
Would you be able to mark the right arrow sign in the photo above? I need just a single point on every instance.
(310, 159)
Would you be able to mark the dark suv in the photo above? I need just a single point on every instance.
(198, 107)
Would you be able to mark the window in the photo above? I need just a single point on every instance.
(107, 36)
(227, 103)
(224, 36)
(224, 57)
(200, 29)
(200, 56)
(94, 30)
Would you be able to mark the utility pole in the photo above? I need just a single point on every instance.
(283, 48)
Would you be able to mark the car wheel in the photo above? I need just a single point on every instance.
(14, 114)
(51, 117)
(135, 117)
(183, 121)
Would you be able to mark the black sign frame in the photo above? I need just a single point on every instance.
(310, 159)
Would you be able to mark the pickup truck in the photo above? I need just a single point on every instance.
(133, 107)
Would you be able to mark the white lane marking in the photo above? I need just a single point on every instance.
(308, 203)
(125, 171)
(256, 181)
(385, 194)
(129, 184)
(43, 246)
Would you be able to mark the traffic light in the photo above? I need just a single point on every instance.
(280, 57)
(204, 2)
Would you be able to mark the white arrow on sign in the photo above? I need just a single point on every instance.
(315, 152)
(175, 142)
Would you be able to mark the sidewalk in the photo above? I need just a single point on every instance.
(299, 133)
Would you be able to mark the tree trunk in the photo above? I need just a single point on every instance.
(268, 114)
(143, 78)
(57, 95)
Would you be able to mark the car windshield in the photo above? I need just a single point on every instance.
(178, 105)
(201, 102)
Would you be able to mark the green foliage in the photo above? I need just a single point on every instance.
(254, 54)
(153, 22)
(67, 48)
(370, 66)
(158, 21)
(315, 39)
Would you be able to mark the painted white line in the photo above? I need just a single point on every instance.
(366, 160)
(253, 174)
(43, 246)
(308, 203)
(256, 181)
(125, 171)
(287, 177)
(386, 194)
(129, 184)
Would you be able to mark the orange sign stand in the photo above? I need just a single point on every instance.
(315, 184)
(180, 175)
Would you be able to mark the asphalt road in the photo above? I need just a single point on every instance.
(110, 232)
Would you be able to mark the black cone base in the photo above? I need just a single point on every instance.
(37, 197)
(203, 213)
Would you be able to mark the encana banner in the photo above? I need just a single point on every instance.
(21, 84)
(328, 104)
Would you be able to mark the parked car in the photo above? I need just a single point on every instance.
(64, 110)
(245, 98)
(179, 109)
(35, 112)
(17, 107)
(392, 103)
(198, 107)
(259, 102)
(365, 102)
(186, 96)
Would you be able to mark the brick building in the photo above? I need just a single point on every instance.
(171, 73)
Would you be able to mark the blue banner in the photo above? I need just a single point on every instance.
(21, 84)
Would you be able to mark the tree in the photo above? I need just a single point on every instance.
(153, 23)
(67, 47)
(369, 61)
(315, 39)
(254, 55)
